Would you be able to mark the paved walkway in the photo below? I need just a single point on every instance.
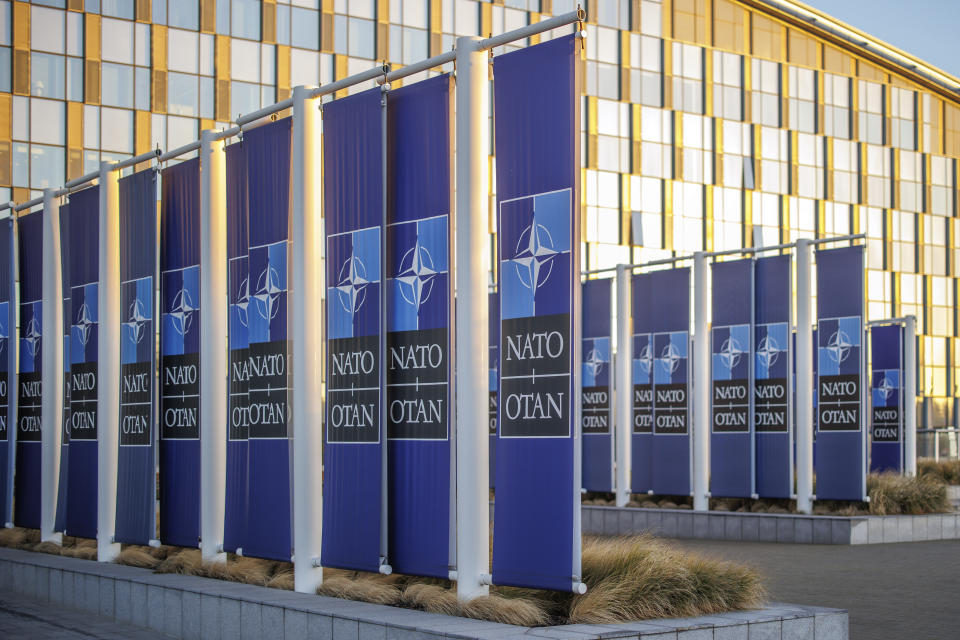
(23, 617)
(895, 591)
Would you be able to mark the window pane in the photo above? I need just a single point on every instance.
(46, 166)
(361, 38)
(245, 61)
(245, 15)
(5, 69)
(159, 12)
(47, 73)
(182, 94)
(117, 85)
(181, 131)
(74, 33)
(91, 127)
(21, 165)
(117, 41)
(244, 97)
(117, 128)
(47, 117)
(46, 30)
(206, 97)
(118, 8)
(184, 14)
(304, 67)
(142, 54)
(182, 51)
(5, 23)
(142, 91)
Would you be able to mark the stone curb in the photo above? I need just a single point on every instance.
(769, 527)
(191, 607)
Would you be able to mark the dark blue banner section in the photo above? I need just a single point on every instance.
(886, 390)
(63, 479)
(136, 460)
(773, 371)
(269, 517)
(536, 540)
(596, 414)
(26, 501)
(419, 349)
(180, 354)
(84, 320)
(355, 455)
(8, 320)
(731, 431)
(841, 438)
(661, 368)
(494, 381)
(238, 407)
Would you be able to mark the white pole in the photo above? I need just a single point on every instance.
(307, 335)
(623, 384)
(701, 385)
(108, 362)
(213, 345)
(6, 518)
(52, 363)
(910, 396)
(472, 358)
(804, 366)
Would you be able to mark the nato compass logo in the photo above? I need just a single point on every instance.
(416, 275)
(768, 352)
(670, 358)
(535, 244)
(730, 358)
(886, 388)
(417, 269)
(646, 359)
(181, 295)
(352, 284)
(839, 346)
(4, 333)
(671, 350)
(242, 303)
(136, 321)
(642, 359)
(81, 328)
(32, 336)
(595, 369)
(730, 353)
(771, 343)
(269, 288)
(181, 314)
(353, 269)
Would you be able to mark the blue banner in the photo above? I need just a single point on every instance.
(83, 317)
(536, 540)
(238, 285)
(136, 458)
(419, 347)
(886, 390)
(26, 501)
(354, 507)
(841, 444)
(731, 433)
(595, 399)
(63, 478)
(493, 329)
(772, 386)
(8, 320)
(661, 302)
(180, 355)
(269, 517)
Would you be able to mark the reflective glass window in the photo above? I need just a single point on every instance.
(182, 94)
(304, 28)
(245, 19)
(184, 14)
(47, 30)
(47, 120)
(46, 166)
(117, 85)
(48, 77)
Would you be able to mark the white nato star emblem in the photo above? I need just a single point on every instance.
(838, 347)
(646, 358)
(268, 293)
(3, 334)
(243, 301)
(535, 254)
(352, 285)
(33, 336)
(886, 388)
(594, 362)
(83, 324)
(416, 275)
(136, 321)
(730, 352)
(182, 312)
(670, 358)
(768, 351)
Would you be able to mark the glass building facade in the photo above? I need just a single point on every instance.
(707, 124)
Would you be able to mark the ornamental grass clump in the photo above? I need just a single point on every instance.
(893, 494)
(946, 470)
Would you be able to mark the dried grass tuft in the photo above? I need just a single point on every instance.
(430, 597)
(51, 548)
(892, 494)
(497, 608)
(282, 580)
(13, 537)
(946, 470)
(186, 562)
(83, 548)
(360, 587)
(136, 556)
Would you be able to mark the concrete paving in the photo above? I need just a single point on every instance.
(23, 617)
(895, 591)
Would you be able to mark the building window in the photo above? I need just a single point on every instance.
(903, 122)
(766, 217)
(942, 186)
(738, 155)
(613, 136)
(651, 17)
(690, 20)
(910, 181)
(603, 207)
(765, 76)
(935, 245)
(727, 219)
(603, 60)
(872, 105)
(836, 106)
(802, 93)
(774, 160)
(656, 143)
(931, 124)
(646, 202)
(646, 73)
(687, 217)
(810, 165)
(697, 152)
(803, 218)
(904, 241)
(687, 78)
(727, 85)
(878, 172)
(846, 172)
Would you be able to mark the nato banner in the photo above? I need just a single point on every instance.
(136, 469)
(83, 314)
(536, 538)
(238, 285)
(26, 501)
(269, 516)
(731, 438)
(841, 438)
(886, 390)
(493, 322)
(772, 385)
(179, 355)
(63, 479)
(8, 320)
(355, 456)
(661, 302)
(595, 395)
(419, 347)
